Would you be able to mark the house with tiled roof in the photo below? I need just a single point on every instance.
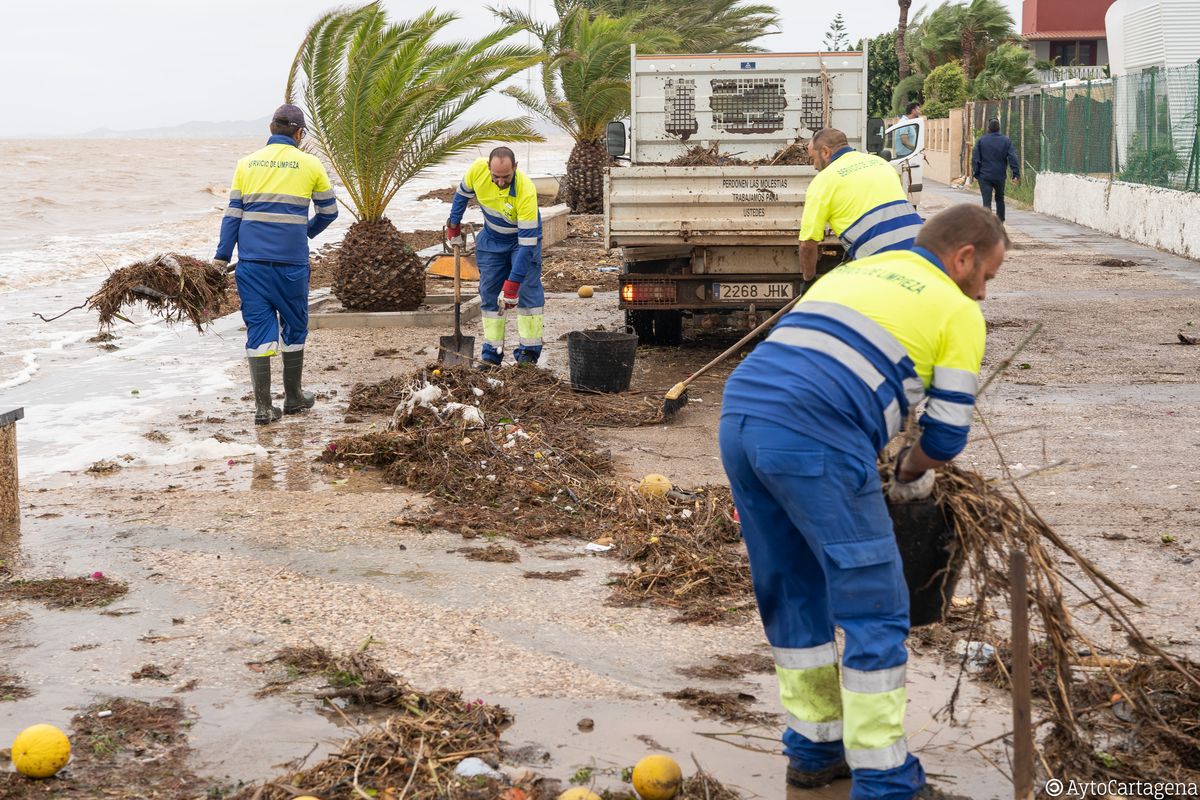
(1069, 34)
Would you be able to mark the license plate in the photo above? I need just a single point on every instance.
(737, 292)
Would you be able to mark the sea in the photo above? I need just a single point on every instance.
(76, 209)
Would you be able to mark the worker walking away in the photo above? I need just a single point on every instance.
(804, 417)
(508, 252)
(993, 157)
(267, 220)
(859, 197)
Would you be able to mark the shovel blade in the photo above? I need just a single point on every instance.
(456, 350)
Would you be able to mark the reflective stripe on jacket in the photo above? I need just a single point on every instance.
(267, 218)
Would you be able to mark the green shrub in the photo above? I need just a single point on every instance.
(1151, 164)
(948, 85)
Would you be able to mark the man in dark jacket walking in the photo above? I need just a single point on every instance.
(994, 155)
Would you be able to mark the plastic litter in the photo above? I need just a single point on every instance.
(475, 768)
(978, 654)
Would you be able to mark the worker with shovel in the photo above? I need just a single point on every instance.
(267, 219)
(804, 417)
(508, 252)
(859, 197)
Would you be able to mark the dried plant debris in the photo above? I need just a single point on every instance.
(171, 285)
(151, 672)
(553, 575)
(124, 749)
(493, 552)
(12, 688)
(795, 154)
(728, 667)
(66, 592)
(729, 706)
(522, 462)
(1085, 696)
(414, 751)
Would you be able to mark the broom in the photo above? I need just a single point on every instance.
(677, 396)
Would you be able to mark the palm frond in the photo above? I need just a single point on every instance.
(386, 100)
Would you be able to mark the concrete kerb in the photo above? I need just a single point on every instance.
(421, 318)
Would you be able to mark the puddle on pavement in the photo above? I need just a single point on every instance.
(546, 737)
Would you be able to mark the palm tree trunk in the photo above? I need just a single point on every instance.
(901, 34)
(968, 51)
(583, 185)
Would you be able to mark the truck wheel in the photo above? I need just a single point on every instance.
(656, 327)
(668, 327)
(642, 323)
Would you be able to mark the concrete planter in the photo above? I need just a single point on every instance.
(322, 314)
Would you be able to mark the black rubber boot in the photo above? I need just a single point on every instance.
(260, 379)
(818, 778)
(295, 399)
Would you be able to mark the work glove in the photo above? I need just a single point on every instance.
(454, 234)
(220, 265)
(918, 488)
(510, 294)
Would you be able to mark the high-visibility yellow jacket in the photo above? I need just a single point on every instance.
(860, 197)
(510, 216)
(867, 341)
(267, 217)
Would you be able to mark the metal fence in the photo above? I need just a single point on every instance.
(1139, 128)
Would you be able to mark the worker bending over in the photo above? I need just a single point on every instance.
(508, 252)
(859, 196)
(267, 219)
(804, 417)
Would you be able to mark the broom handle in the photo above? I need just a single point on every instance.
(741, 342)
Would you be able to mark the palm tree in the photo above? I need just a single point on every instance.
(385, 102)
(965, 32)
(1006, 66)
(985, 24)
(901, 33)
(705, 26)
(585, 85)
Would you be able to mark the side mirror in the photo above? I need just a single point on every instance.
(614, 139)
(875, 129)
(886, 155)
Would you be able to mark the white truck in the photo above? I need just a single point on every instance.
(719, 239)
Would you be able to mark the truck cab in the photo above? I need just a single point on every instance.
(906, 139)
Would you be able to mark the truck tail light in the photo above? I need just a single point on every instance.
(648, 292)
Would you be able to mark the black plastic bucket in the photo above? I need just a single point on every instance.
(931, 555)
(601, 361)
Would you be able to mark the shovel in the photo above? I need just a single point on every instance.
(456, 349)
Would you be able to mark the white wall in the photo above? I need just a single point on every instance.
(1163, 218)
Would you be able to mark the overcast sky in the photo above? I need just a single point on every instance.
(74, 65)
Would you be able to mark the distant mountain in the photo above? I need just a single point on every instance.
(188, 130)
(229, 129)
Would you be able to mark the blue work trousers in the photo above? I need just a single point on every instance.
(274, 302)
(822, 553)
(494, 268)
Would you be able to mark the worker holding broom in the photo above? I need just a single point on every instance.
(267, 219)
(804, 417)
(858, 196)
(508, 252)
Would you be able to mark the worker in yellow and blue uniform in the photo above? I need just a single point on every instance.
(804, 417)
(267, 219)
(859, 197)
(508, 252)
